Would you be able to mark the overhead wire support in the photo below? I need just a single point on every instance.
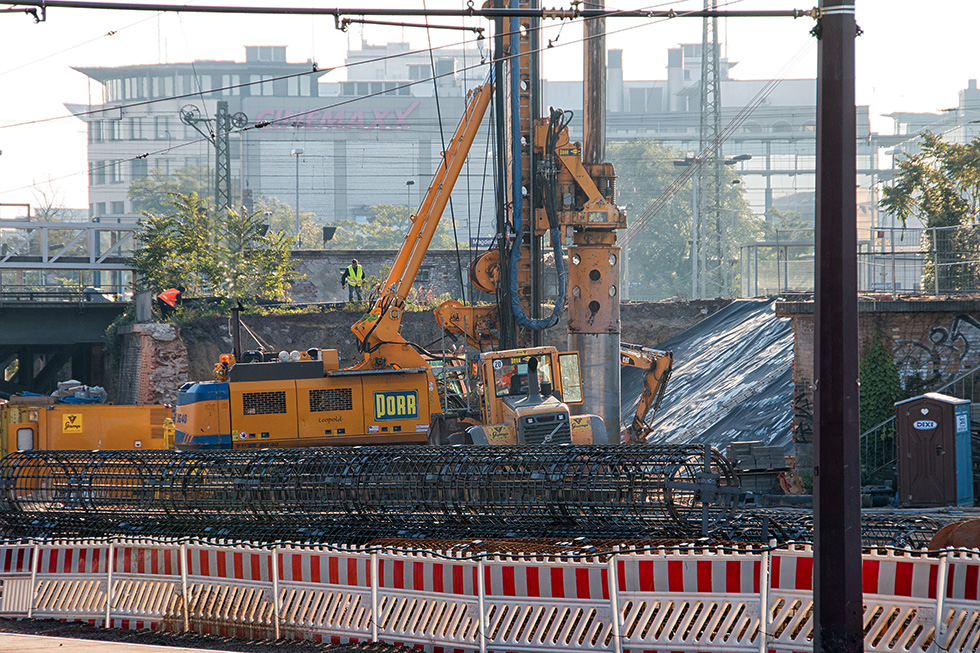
(344, 23)
(338, 12)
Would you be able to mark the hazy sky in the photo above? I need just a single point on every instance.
(913, 56)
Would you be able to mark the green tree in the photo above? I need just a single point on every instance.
(941, 187)
(282, 217)
(224, 255)
(385, 229)
(880, 387)
(659, 256)
(154, 193)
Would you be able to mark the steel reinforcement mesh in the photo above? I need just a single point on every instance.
(358, 492)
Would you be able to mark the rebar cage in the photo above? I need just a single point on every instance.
(372, 491)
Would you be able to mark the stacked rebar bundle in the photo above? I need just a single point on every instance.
(371, 491)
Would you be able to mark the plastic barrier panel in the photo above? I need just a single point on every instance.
(682, 599)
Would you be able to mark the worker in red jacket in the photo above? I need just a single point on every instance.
(169, 300)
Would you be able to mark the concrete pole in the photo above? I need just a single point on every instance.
(594, 259)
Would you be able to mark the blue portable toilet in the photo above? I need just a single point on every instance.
(935, 458)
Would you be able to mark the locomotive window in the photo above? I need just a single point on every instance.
(25, 439)
(510, 374)
(571, 378)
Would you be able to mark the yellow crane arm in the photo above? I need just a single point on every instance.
(659, 365)
(382, 324)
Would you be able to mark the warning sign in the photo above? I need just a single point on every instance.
(570, 150)
(71, 423)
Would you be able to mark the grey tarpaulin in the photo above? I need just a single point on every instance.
(732, 380)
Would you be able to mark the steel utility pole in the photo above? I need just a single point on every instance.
(593, 270)
(222, 157)
(297, 152)
(709, 226)
(838, 610)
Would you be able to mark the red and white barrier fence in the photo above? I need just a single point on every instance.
(662, 600)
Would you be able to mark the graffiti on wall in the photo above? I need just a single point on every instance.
(803, 413)
(944, 354)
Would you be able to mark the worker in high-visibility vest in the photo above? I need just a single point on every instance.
(353, 278)
(169, 300)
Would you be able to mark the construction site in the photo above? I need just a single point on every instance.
(510, 474)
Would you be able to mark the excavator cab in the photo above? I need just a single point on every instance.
(528, 396)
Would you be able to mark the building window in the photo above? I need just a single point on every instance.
(230, 80)
(99, 209)
(115, 172)
(118, 208)
(161, 127)
(95, 131)
(292, 86)
(205, 84)
(162, 165)
(263, 88)
(168, 86)
(111, 130)
(136, 129)
(419, 71)
(305, 86)
(139, 168)
(98, 173)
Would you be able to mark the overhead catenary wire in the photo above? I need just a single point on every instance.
(710, 149)
(671, 14)
(442, 139)
(667, 15)
(104, 35)
(470, 11)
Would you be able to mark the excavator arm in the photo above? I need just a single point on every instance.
(379, 330)
(658, 366)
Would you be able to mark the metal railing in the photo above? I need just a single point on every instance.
(878, 445)
(66, 292)
(936, 260)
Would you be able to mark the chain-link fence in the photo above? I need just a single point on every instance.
(937, 260)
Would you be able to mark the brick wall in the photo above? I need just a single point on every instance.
(154, 364)
(934, 339)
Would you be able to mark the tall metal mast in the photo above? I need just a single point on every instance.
(710, 227)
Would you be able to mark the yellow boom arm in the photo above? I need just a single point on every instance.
(379, 330)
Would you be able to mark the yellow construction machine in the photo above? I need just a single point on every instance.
(393, 394)
(30, 423)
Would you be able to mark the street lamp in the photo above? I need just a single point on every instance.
(733, 252)
(697, 161)
(691, 160)
(297, 152)
(408, 191)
